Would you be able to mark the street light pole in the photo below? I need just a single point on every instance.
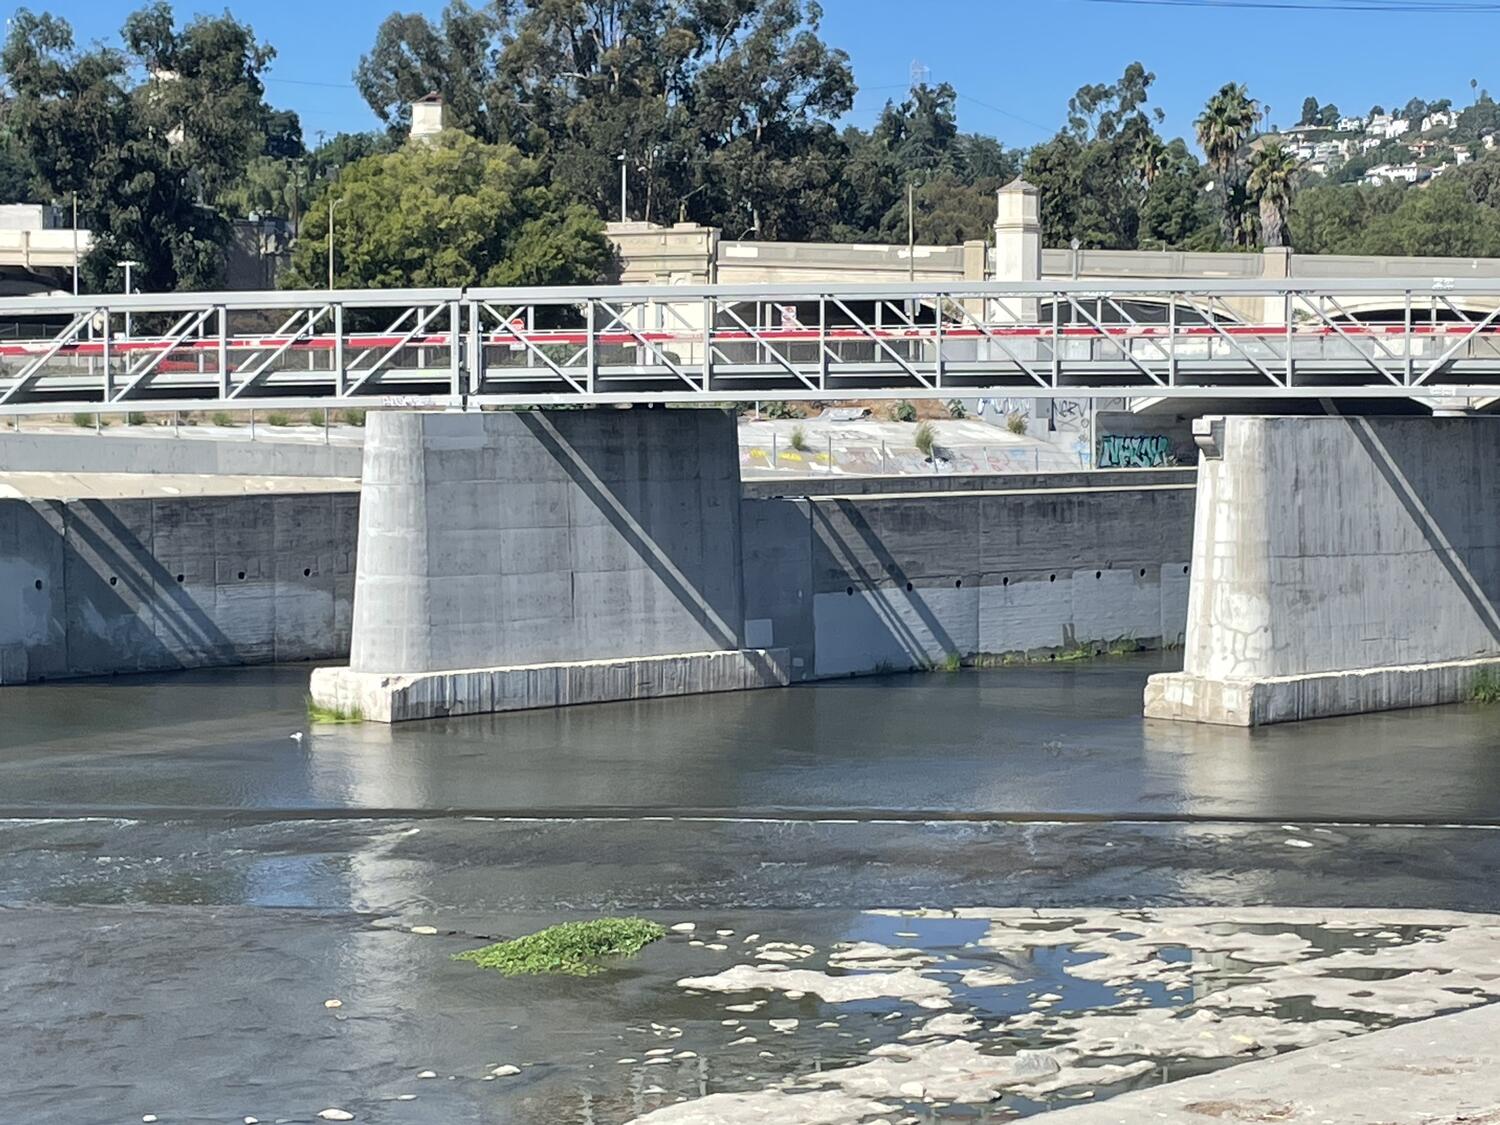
(332, 207)
(75, 243)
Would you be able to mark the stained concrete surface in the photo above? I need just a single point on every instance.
(183, 885)
(1439, 1072)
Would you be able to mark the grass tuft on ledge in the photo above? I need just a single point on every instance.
(1486, 687)
(318, 713)
(571, 949)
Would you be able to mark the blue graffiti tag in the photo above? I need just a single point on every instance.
(1134, 451)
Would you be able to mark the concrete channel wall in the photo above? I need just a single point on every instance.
(212, 456)
(848, 584)
(89, 587)
(861, 584)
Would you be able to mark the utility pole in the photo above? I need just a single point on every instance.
(911, 232)
(624, 172)
(75, 243)
(332, 207)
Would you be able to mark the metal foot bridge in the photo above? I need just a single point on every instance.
(1429, 339)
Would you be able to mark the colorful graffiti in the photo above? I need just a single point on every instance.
(1134, 451)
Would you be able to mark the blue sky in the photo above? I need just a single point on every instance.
(1013, 62)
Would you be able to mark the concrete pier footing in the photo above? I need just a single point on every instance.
(396, 698)
(1340, 565)
(535, 559)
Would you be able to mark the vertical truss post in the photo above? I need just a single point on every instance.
(340, 383)
(475, 354)
(109, 375)
(1172, 339)
(591, 352)
(455, 350)
(221, 349)
(1286, 316)
(1410, 359)
(937, 359)
(1056, 343)
(822, 341)
(708, 347)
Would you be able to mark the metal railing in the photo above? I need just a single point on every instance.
(1430, 339)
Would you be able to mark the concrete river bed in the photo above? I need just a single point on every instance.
(969, 897)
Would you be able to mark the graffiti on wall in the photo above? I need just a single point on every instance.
(1134, 451)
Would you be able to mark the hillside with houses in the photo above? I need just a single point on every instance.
(1410, 145)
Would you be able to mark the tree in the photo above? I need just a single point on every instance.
(1150, 154)
(1273, 175)
(1440, 220)
(1223, 128)
(149, 159)
(726, 106)
(455, 212)
(1177, 212)
(16, 175)
(1091, 176)
(1311, 114)
(1328, 116)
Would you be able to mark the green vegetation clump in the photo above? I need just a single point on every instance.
(779, 411)
(952, 662)
(1486, 687)
(799, 438)
(1015, 422)
(956, 408)
(903, 411)
(222, 418)
(278, 418)
(353, 417)
(135, 419)
(83, 421)
(318, 713)
(924, 438)
(571, 949)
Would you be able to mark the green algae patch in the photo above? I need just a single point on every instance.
(574, 949)
(318, 713)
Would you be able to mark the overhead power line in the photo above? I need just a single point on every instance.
(1382, 7)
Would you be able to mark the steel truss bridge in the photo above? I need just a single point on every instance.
(1193, 338)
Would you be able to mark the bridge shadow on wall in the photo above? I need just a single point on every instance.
(95, 598)
(1440, 500)
(882, 616)
(666, 483)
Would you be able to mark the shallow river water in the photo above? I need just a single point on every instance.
(946, 881)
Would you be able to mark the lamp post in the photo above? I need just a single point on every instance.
(332, 207)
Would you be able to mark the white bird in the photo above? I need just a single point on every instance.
(296, 736)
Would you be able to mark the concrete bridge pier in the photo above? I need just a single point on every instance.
(1340, 565)
(511, 560)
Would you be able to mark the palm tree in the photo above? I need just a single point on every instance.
(1273, 175)
(1223, 128)
(1150, 155)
